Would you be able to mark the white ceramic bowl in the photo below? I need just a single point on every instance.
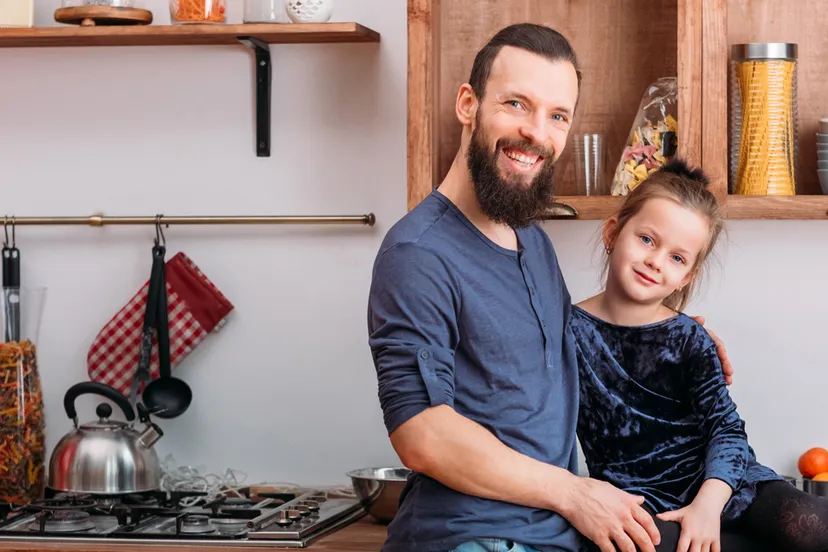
(823, 180)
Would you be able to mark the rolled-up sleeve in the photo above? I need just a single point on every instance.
(727, 448)
(412, 327)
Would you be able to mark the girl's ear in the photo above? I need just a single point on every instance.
(609, 233)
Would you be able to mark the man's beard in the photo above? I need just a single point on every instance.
(516, 203)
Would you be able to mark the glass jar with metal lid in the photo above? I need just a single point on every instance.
(763, 118)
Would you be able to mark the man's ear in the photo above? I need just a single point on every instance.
(608, 233)
(466, 105)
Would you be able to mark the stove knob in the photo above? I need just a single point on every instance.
(312, 505)
(294, 515)
(304, 510)
(318, 498)
(282, 519)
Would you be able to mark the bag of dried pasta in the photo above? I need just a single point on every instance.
(653, 137)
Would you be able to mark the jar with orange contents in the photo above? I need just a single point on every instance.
(198, 11)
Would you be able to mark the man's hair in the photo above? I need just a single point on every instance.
(537, 39)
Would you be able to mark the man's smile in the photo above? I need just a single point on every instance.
(521, 160)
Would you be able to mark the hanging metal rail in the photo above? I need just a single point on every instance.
(166, 220)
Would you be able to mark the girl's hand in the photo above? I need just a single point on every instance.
(700, 528)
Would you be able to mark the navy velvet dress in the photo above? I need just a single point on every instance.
(655, 417)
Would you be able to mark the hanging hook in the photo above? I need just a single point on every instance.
(159, 234)
(6, 232)
(14, 238)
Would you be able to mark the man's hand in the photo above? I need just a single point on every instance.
(727, 369)
(607, 515)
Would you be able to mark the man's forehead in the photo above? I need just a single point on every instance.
(517, 70)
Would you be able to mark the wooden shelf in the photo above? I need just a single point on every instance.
(257, 37)
(799, 207)
(185, 35)
(586, 207)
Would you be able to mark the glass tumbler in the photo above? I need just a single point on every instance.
(265, 11)
(590, 158)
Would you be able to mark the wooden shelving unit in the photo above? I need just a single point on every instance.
(623, 47)
(729, 22)
(186, 35)
(258, 37)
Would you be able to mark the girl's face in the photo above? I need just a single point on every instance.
(655, 253)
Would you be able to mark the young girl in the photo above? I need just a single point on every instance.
(656, 419)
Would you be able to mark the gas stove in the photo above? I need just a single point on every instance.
(283, 520)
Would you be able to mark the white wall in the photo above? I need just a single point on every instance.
(287, 391)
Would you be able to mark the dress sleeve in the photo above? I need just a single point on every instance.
(727, 445)
(412, 327)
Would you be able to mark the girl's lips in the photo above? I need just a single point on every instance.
(644, 277)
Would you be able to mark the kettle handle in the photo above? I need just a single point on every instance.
(86, 387)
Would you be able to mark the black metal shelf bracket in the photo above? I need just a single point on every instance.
(264, 79)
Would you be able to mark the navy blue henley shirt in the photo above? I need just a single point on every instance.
(455, 319)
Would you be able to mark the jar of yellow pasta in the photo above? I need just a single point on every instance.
(763, 119)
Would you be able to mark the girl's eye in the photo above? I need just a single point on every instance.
(646, 239)
(678, 259)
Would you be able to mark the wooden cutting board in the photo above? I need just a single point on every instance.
(90, 16)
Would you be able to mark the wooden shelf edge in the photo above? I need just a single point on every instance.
(801, 207)
(185, 35)
(589, 207)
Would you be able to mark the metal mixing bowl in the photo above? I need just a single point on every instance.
(378, 489)
(816, 488)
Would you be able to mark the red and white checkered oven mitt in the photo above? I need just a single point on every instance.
(196, 308)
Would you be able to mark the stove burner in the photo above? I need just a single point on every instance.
(196, 524)
(63, 521)
(70, 502)
(140, 500)
(229, 525)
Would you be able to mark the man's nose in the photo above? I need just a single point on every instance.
(534, 130)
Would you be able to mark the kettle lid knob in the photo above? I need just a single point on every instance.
(103, 411)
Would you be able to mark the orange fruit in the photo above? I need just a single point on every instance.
(813, 461)
(821, 477)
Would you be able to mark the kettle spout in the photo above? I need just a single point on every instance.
(150, 435)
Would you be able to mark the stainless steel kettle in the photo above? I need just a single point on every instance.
(105, 456)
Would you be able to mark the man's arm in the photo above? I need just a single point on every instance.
(413, 335)
(462, 455)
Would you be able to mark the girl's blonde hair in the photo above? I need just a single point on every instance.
(686, 187)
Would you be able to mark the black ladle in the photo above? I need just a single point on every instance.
(165, 397)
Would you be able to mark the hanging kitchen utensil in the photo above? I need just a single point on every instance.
(142, 373)
(196, 308)
(165, 397)
(11, 285)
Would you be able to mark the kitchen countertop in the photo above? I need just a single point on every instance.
(364, 535)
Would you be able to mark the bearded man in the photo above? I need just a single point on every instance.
(467, 318)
